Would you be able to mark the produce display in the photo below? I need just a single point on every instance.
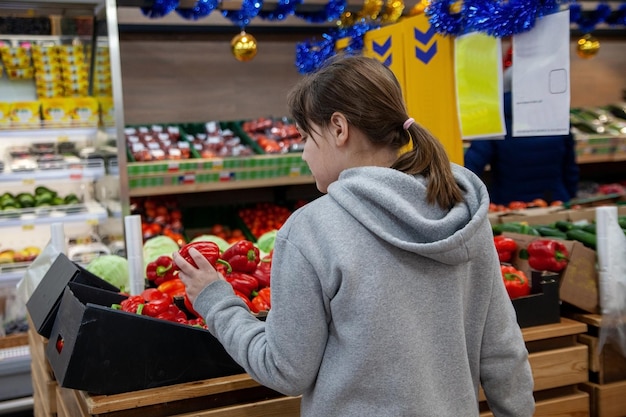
(213, 141)
(41, 197)
(542, 254)
(18, 256)
(274, 135)
(242, 265)
(264, 217)
(584, 233)
(159, 217)
(156, 143)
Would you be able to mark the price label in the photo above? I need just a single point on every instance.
(63, 138)
(218, 164)
(28, 226)
(173, 166)
(93, 222)
(76, 172)
(28, 181)
(226, 175)
(294, 172)
(187, 178)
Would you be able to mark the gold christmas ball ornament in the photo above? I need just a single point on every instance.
(243, 46)
(419, 8)
(587, 47)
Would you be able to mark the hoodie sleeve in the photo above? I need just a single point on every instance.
(284, 352)
(505, 372)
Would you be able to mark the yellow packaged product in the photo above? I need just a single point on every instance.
(25, 114)
(107, 111)
(15, 73)
(85, 111)
(5, 115)
(57, 111)
(15, 56)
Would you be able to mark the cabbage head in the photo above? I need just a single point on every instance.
(113, 269)
(157, 246)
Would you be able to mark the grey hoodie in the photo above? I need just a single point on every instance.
(383, 305)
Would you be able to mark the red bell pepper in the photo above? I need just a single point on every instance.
(160, 270)
(243, 283)
(132, 304)
(209, 250)
(505, 246)
(172, 288)
(547, 255)
(242, 256)
(515, 281)
(173, 313)
(262, 300)
(246, 300)
(155, 307)
(262, 272)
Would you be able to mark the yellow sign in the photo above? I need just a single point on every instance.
(429, 82)
(478, 85)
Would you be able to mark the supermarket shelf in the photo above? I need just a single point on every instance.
(90, 212)
(221, 186)
(69, 171)
(39, 132)
(13, 406)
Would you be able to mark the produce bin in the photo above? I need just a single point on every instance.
(101, 350)
(542, 306)
(43, 304)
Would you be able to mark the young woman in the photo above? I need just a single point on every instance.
(387, 296)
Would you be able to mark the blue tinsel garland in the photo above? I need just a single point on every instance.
(160, 8)
(201, 9)
(332, 11)
(242, 17)
(283, 9)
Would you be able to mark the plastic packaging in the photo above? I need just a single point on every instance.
(611, 251)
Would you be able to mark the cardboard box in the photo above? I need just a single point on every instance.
(101, 350)
(43, 303)
(542, 306)
(578, 283)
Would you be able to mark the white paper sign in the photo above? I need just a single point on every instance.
(541, 78)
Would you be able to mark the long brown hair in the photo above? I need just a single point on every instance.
(369, 95)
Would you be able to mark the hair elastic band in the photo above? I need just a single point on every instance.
(408, 147)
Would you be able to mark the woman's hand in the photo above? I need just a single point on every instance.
(195, 279)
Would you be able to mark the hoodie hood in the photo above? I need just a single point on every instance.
(393, 206)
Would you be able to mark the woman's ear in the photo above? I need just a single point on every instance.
(339, 128)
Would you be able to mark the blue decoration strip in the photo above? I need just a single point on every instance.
(160, 8)
(283, 9)
(201, 9)
(242, 17)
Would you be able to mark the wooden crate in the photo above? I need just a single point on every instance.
(559, 364)
(44, 384)
(607, 364)
(607, 371)
(14, 340)
(231, 396)
(607, 400)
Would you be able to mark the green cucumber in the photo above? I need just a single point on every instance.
(584, 237)
(551, 232)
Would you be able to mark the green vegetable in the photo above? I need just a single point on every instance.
(111, 268)
(265, 242)
(516, 227)
(157, 246)
(221, 243)
(564, 225)
(586, 238)
(551, 232)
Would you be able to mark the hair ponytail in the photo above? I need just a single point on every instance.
(429, 158)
